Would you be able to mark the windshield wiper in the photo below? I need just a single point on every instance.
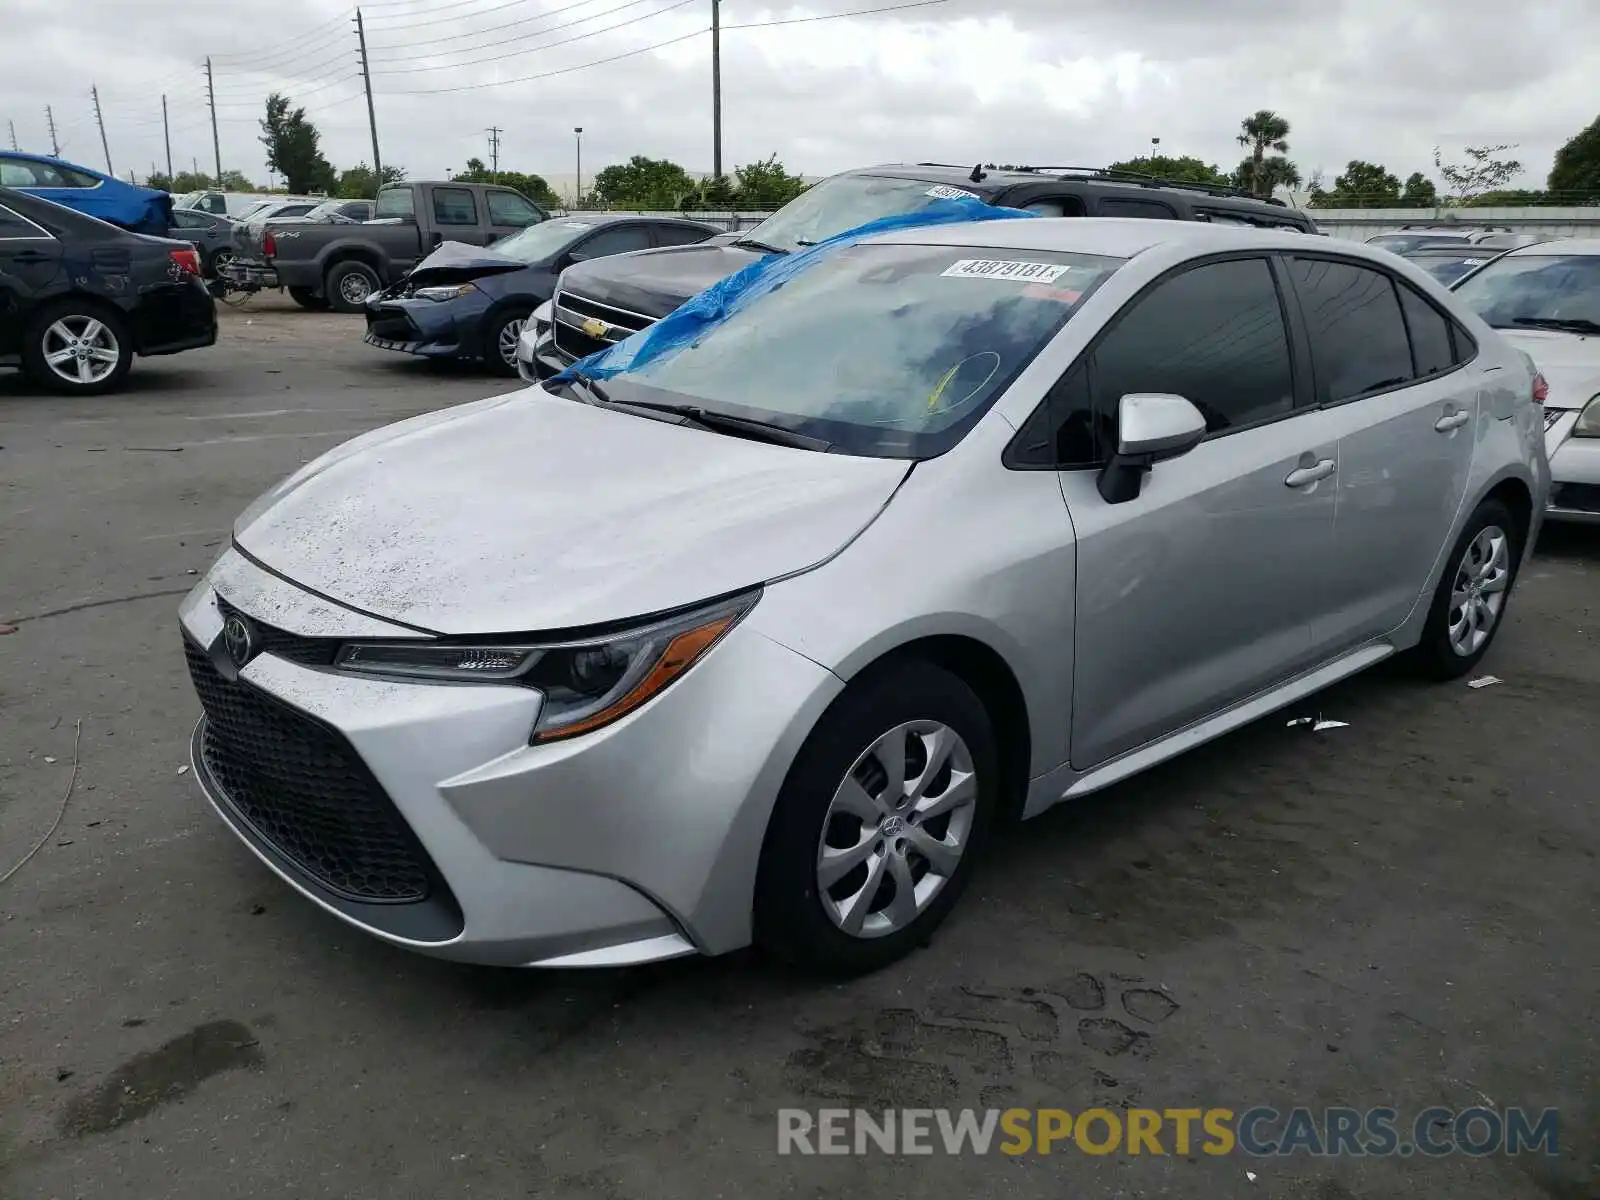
(750, 427)
(754, 244)
(588, 384)
(1561, 324)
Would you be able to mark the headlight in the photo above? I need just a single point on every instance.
(586, 683)
(444, 293)
(1589, 422)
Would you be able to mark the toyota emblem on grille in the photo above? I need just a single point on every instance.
(239, 640)
(595, 328)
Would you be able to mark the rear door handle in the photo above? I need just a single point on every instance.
(1452, 420)
(1305, 476)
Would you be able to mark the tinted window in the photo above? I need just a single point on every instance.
(1062, 430)
(20, 172)
(510, 208)
(360, 210)
(293, 210)
(454, 206)
(13, 226)
(1358, 339)
(679, 235)
(1430, 334)
(1056, 206)
(78, 179)
(615, 241)
(189, 220)
(396, 202)
(1214, 335)
(1112, 206)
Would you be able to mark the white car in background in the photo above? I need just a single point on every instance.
(1545, 300)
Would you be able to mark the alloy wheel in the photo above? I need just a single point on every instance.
(81, 349)
(1478, 594)
(510, 332)
(896, 829)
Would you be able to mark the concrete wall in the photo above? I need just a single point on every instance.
(1358, 224)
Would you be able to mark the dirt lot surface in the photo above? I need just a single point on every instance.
(1401, 912)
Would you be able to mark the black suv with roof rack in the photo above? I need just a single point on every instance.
(601, 302)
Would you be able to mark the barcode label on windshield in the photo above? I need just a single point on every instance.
(994, 268)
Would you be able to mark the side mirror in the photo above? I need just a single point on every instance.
(1151, 427)
(577, 256)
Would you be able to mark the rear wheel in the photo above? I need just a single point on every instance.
(876, 828)
(220, 259)
(1470, 601)
(307, 298)
(78, 347)
(500, 341)
(348, 286)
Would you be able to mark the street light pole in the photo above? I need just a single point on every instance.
(577, 190)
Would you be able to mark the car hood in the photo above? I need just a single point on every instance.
(1569, 362)
(531, 512)
(654, 282)
(457, 262)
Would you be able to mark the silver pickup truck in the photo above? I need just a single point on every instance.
(338, 266)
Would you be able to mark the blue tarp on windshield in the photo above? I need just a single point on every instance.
(711, 307)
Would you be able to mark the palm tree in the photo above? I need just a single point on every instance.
(1263, 130)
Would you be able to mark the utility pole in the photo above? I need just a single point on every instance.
(50, 119)
(366, 79)
(14, 145)
(577, 189)
(716, 88)
(494, 132)
(94, 91)
(166, 135)
(216, 142)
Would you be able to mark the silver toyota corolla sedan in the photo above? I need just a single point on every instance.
(757, 639)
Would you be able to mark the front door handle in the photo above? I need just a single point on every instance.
(31, 256)
(1305, 476)
(1452, 420)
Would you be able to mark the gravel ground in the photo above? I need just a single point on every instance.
(1401, 912)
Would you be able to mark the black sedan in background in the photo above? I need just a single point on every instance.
(472, 301)
(209, 233)
(79, 298)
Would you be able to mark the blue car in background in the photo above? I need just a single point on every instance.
(471, 302)
(140, 209)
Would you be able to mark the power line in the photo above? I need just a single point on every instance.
(506, 41)
(410, 24)
(863, 12)
(284, 47)
(544, 46)
(599, 62)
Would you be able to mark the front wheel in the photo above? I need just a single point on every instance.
(1470, 601)
(876, 828)
(500, 341)
(77, 347)
(348, 286)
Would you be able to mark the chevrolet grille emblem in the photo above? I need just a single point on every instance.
(595, 328)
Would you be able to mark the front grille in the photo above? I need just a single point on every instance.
(308, 651)
(577, 344)
(570, 311)
(1579, 497)
(631, 321)
(392, 326)
(303, 789)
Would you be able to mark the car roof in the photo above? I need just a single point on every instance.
(1568, 246)
(1115, 237)
(996, 179)
(613, 218)
(1454, 250)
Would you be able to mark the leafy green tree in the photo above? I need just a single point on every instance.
(1480, 172)
(1577, 166)
(190, 181)
(237, 181)
(1363, 185)
(294, 148)
(766, 184)
(1185, 169)
(359, 183)
(1513, 198)
(534, 187)
(1261, 131)
(161, 181)
(714, 193)
(643, 183)
(1419, 192)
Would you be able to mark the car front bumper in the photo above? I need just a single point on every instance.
(1574, 473)
(427, 327)
(633, 843)
(538, 358)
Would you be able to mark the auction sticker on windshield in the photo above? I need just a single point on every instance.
(943, 191)
(995, 268)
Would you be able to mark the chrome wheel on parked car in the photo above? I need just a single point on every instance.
(81, 350)
(1479, 591)
(896, 829)
(506, 343)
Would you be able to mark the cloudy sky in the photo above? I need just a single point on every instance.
(1041, 81)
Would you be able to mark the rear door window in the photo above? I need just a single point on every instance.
(619, 239)
(396, 202)
(1056, 206)
(1118, 206)
(679, 235)
(1431, 351)
(14, 227)
(454, 206)
(1358, 335)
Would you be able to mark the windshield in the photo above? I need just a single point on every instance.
(540, 241)
(395, 202)
(885, 350)
(844, 202)
(1533, 287)
(1447, 269)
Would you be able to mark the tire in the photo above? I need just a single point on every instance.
(797, 917)
(507, 324)
(307, 298)
(219, 259)
(58, 328)
(348, 285)
(1493, 535)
